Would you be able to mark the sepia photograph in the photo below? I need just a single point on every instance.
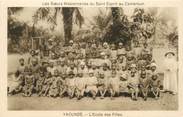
(92, 58)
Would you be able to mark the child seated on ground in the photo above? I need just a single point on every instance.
(54, 87)
(114, 84)
(91, 84)
(123, 76)
(80, 85)
(29, 82)
(102, 86)
(70, 82)
(46, 85)
(133, 82)
(39, 83)
(62, 87)
(155, 85)
(15, 83)
(144, 84)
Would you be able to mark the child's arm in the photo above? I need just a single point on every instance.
(130, 85)
(158, 84)
(64, 90)
(33, 79)
(25, 80)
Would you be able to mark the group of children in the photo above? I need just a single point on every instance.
(92, 70)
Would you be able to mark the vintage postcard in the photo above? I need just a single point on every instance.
(91, 58)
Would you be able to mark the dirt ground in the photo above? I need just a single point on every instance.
(166, 102)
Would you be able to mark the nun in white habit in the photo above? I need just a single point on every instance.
(170, 73)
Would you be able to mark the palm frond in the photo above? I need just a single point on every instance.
(79, 19)
(102, 20)
(42, 13)
(13, 10)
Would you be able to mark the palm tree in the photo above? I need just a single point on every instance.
(51, 14)
(120, 27)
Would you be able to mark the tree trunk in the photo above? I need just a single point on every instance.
(67, 21)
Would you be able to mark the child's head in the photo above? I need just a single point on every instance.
(94, 67)
(56, 72)
(62, 63)
(145, 45)
(102, 75)
(17, 73)
(48, 74)
(113, 47)
(29, 71)
(143, 67)
(120, 58)
(21, 61)
(82, 66)
(80, 75)
(71, 43)
(113, 61)
(123, 68)
(143, 74)
(58, 62)
(62, 54)
(128, 48)
(91, 73)
(133, 69)
(120, 45)
(113, 67)
(63, 76)
(94, 45)
(130, 56)
(154, 77)
(53, 55)
(102, 55)
(71, 74)
(72, 66)
(89, 64)
(113, 74)
(153, 66)
(145, 56)
(32, 52)
(105, 45)
(104, 66)
(51, 64)
(149, 57)
(34, 61)
(41, 73)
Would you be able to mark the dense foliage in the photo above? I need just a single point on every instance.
(114, 27)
